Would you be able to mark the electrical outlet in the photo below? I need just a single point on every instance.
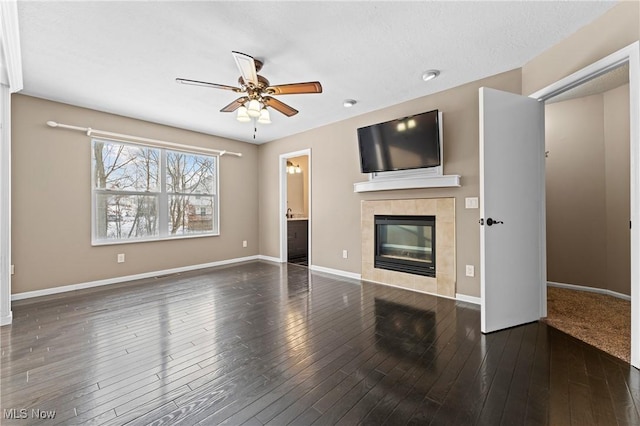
(121, 258)
(345, 254)
(244, 243)
(470, 271)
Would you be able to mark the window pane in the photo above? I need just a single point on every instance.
(125, 167)
(126, 216)
(190, 214)
(190, 173)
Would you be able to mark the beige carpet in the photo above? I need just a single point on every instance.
(600, 320)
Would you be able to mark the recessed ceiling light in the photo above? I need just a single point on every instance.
(430, 74)
(348, 103)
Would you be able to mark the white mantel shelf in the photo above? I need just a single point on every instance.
(407, 183)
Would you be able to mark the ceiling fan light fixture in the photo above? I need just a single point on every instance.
(430, 74)
(265, 117)
(253, 108)
(243, 116)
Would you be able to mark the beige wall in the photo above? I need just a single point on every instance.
(51, 200)
(335, 211)
(298, 187)
(617, 28)
(617, 180)
(575, 192)
(335, 214)
(587, 186)
(53, 249)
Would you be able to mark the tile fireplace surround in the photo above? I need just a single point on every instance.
(444, 283)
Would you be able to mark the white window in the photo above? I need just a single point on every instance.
(143, 193)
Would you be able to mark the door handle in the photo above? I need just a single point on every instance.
(490, 222)
(493, 222)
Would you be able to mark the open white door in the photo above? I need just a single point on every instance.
(512, 236)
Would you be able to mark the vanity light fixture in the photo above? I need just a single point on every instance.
(293, 168)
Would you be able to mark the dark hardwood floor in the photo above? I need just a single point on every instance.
(261, 343)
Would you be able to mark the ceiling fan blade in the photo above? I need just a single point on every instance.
(279, 106)
(206, 84)
(247, 66)
(235, 104)
(295, 88)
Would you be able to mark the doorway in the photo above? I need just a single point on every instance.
(587, 211)
(295, 207)
(630, 55)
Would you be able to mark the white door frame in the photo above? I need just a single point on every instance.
(10, 82)
(282, 167)
(630, 54)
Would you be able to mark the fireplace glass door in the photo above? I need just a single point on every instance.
(406, 244)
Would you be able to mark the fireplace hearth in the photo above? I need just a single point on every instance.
(406, 244)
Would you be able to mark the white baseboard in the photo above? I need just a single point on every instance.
(589, 289)
(116, 280)
(335, 272)
(269, 258)
(6, 319)
(469, 299)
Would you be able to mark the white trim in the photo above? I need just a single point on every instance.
(4, 77)
(408, 183)
(338, 272)
(11, 43)
(634, 153)
(116, 280)
(5, 206)
(6, 319)
(269, 259)
(469, 299)
(630, 53)
(589, 290)
(587, 73)
(282, 167)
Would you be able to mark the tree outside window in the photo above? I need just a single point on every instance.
(148, 193)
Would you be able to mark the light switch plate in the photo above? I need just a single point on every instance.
(471, 203)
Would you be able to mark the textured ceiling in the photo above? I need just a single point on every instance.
(123, 57)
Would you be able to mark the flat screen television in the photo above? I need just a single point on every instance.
(405, 143)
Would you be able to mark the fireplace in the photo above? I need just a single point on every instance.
(406, 244)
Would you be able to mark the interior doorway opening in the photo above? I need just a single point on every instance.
(630, 55)
(588, 207)
(295, 207)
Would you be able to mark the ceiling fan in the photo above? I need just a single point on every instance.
(257, 91)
